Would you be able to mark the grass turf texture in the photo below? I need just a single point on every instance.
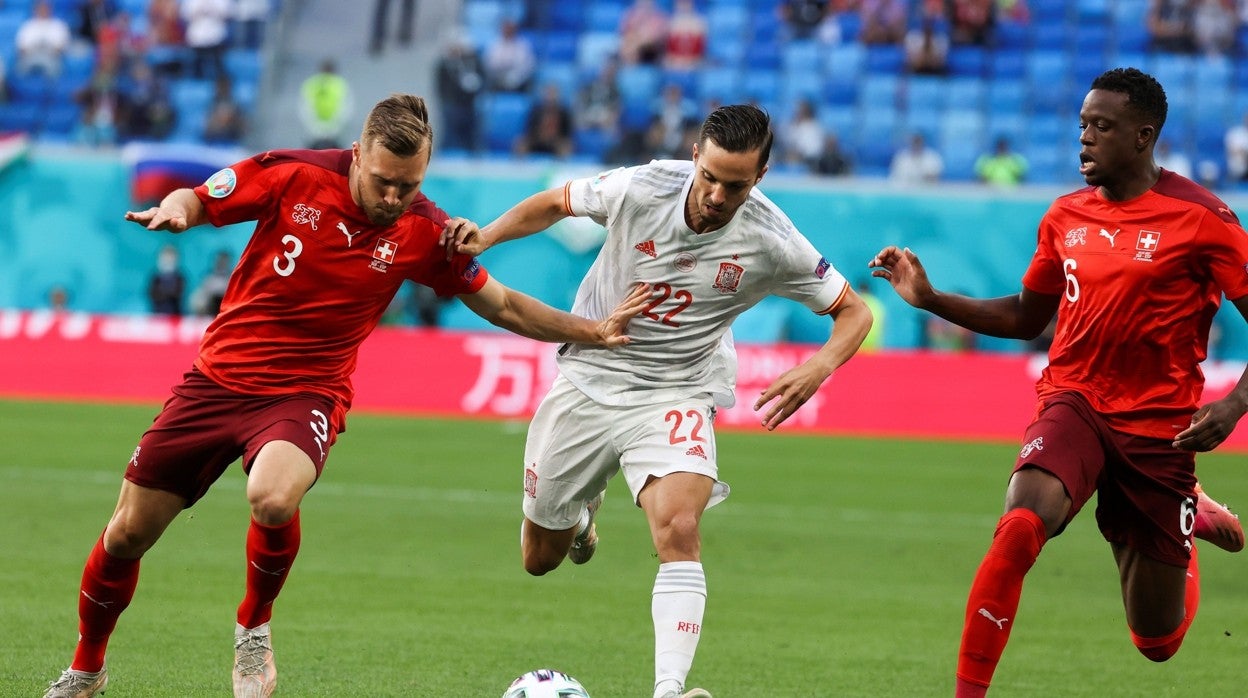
(839, 567)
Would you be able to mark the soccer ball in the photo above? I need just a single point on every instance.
(546, 683)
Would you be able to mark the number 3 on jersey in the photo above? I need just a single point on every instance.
(284, 264)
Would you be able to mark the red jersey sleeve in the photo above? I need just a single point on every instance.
(244, 191)
(1223, 247)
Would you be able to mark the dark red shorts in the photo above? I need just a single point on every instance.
(204, 427)
(1146, 487)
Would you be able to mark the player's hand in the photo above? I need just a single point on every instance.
(788, 393)
(903, 270)
(611, 330)
(462, 236)
(157, 218)
(1210, 426)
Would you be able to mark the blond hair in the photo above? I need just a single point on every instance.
(400, 124)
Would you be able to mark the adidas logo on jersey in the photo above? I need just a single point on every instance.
(696, 451)
(647, 248)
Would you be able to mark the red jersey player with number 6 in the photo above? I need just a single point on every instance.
(1134, 266)
(337, 233)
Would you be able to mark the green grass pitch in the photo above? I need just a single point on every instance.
(838, 567)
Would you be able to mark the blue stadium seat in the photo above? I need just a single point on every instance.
(844, 60)
(1212, 74)
(593, 143)
(603, 17)
(924, 94)
(1051, 164)
(1011, 35)
(878, 137)
(594, 48)
(557, 45)
(838, 120)
(1092, 11)
(1006, 124)
(1050, 36)
(564, 75)
(799, 85)
(1175, 72)
(1007, 63)
(1093, 40)
(1049, 12)
(762, 86)
(503, 117)
(718, 83)
(965, 92)
(851, 26)
(727, 22)
(483, 14)
(19, 116)
(765, 24)
(878, 92)
(842, 89)
(1048, 80)
(1129, 13)
(801, 57)
(764, 55)
(885, 58)
(1131, 37)
(244, 65)
(1007, 95)
(967, 60)
(727, 51)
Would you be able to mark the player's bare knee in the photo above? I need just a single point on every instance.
(125, 540)
(679, 538)
(272, 509)
(538, 564)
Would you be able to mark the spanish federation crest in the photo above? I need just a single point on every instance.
(728, 278)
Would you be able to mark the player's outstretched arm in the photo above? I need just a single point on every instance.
(1215, 421)
(851, 320)
(529, 317)
(1021, 316)
(534, 214)
(180, 210)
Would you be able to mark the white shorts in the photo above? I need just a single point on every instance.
(575, 446)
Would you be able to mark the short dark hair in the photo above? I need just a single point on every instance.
(1144, 94)
(739, 128)
(400, 124)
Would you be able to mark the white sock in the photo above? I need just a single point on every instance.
(583, 523)
(678, 604)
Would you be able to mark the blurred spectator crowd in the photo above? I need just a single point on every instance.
(915, 90)
(100, 72)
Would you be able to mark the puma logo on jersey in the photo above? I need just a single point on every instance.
(696, 451)
(999, 623)
(647, 248)
(1110, 236)
(342, 226)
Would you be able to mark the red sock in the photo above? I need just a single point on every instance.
(1159, 649)
(994, 598)
(271, 551)
(108, 585)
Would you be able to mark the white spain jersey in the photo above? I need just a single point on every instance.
(682, 343)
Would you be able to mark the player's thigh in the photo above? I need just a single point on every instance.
(1146, 502)
(140, 518)
(569, 456)
(676, 437)
(1068, 441)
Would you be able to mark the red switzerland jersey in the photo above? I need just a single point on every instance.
(316, 275)
(1140, 281)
